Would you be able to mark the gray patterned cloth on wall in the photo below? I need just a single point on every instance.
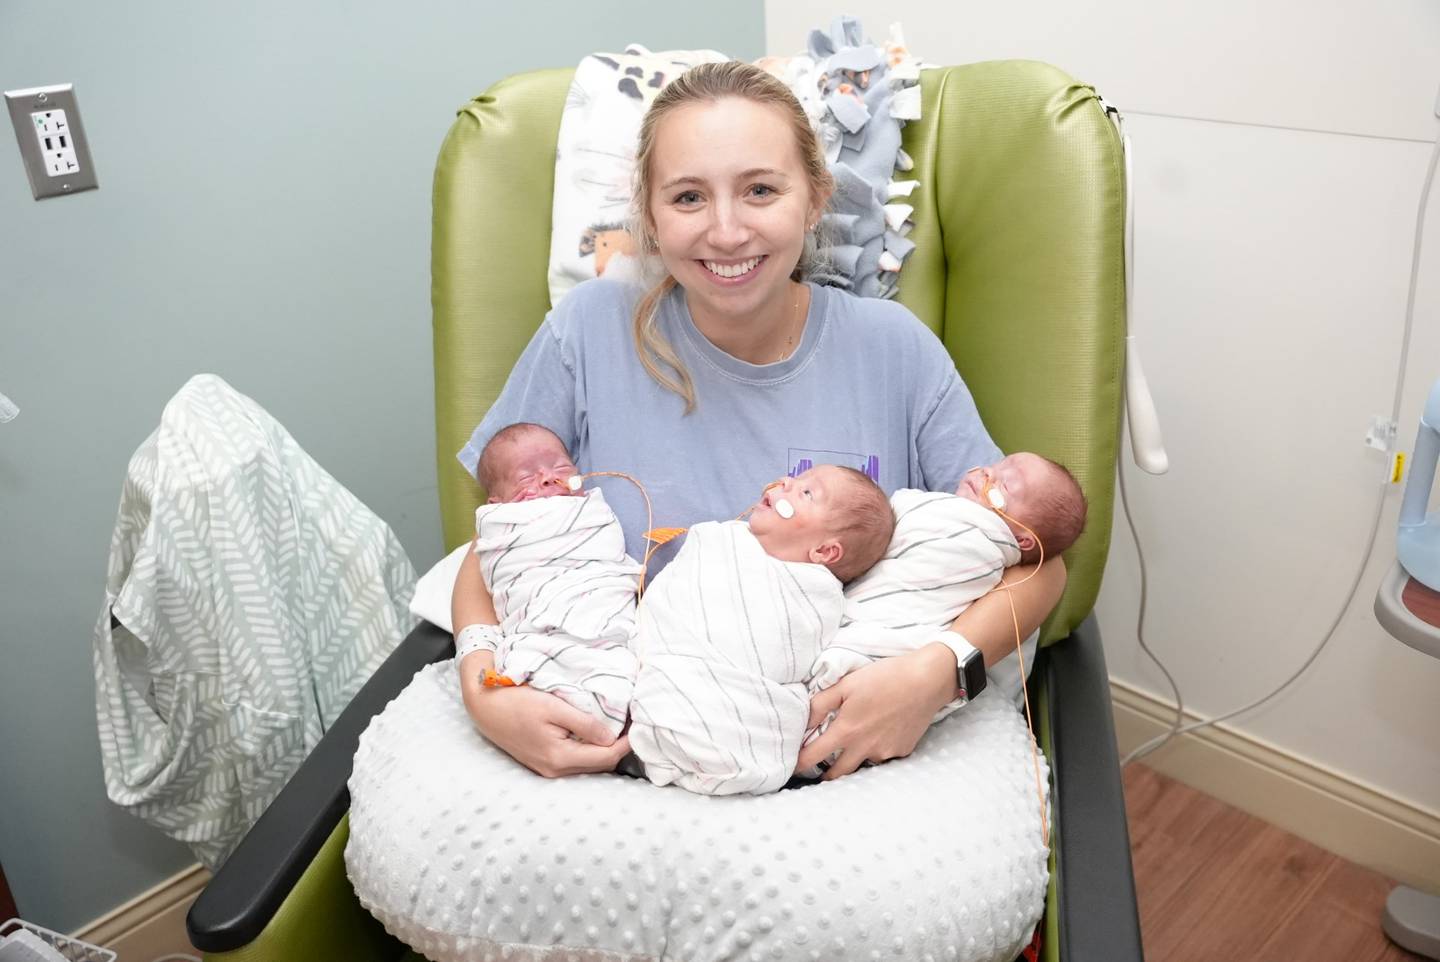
(248, 597)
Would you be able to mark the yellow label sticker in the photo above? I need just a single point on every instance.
(1397, 467)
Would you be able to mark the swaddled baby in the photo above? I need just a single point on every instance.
(729, 630)
(948, 550)
(555, 563)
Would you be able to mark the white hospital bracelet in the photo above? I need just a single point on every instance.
(473, 638)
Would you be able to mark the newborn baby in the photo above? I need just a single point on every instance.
(950, 549)
(729, 630)
(564, 589)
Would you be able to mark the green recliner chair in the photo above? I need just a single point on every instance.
(1019, 269)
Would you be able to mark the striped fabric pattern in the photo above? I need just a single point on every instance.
(946, 552)
(564, 591)
(727, 636)
(251, 597)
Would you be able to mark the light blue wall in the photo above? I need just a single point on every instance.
(264, 213)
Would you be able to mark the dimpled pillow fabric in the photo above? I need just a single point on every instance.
(466, 855)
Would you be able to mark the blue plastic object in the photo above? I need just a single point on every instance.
(1418, 540)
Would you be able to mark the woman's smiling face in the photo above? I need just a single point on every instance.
(730, 205)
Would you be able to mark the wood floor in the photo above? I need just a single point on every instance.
(1217, 885)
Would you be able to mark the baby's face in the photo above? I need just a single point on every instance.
(800, 537)
(1019, 478)
(534, 465)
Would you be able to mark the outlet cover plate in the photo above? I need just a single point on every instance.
(41, 114)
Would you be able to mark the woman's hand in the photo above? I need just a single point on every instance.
(539, 730)
(884, 708)
(881, 710)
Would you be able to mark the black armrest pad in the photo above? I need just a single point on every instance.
(1099, 917)
(248, 889)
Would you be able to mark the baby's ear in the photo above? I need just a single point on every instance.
(1025, 540)
(827, 553)
(492, 500)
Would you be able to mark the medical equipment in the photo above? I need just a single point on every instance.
(1410, 611)
(1146, 444)
(996, 500)
(1417, 543)
(1391, 475)
(1408, 607)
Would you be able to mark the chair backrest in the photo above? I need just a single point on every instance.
(1019, 269)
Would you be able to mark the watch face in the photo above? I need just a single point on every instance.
(971, 675)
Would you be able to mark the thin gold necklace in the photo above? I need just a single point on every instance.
(795, 321)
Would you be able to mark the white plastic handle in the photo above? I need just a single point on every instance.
(1145, 438)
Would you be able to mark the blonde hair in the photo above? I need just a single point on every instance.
(708, 83)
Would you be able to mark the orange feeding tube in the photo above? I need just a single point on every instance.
(990, 500)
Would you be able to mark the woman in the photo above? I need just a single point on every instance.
(730, 373)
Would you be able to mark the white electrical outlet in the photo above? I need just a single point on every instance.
(52, 140)
(1381, 435)
(57, 144)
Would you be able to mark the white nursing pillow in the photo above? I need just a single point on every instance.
(466, 855)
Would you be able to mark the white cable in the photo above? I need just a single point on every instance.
(1177, 728)
(1140, 616)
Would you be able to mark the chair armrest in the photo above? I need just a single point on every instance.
(1099, 919)
(252, 883)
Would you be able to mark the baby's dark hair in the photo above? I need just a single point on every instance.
(485, 468)
(1057, 515)
(864, 524)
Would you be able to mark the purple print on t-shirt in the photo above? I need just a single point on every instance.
(803, 459)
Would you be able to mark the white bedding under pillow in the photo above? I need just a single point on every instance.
(466, 855)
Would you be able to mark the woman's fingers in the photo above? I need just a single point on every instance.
(535, 728)
(822, 705)
(849, 760)
(819, 750)
(879, 715)
(570, 757)
(583, 726)
(824, 702)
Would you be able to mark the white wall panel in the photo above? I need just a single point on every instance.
(1367, 68)
(1272, 266)
(1272, 269)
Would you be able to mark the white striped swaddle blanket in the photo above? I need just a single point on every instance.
(564, 591)
(947, 551)
(727, 635)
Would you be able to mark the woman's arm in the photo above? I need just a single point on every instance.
(537, 729)
(987, 624)
(470, 601)
(884, 708)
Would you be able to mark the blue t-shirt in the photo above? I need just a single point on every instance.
(869, 387)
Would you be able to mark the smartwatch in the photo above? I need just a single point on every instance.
(969, 665)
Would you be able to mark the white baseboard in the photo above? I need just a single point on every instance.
(152, 924)
(1334, 812)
